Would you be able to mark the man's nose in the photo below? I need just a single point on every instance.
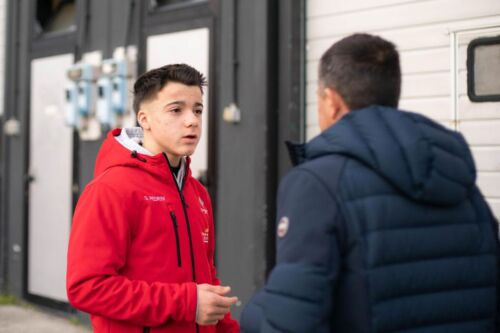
(191, 120)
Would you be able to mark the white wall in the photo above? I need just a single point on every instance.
(3, 28)
(423, 31)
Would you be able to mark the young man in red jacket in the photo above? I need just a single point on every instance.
(140, 255)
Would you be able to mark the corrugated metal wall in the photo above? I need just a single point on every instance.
(243, 70)
(3, 10)
(429, 34)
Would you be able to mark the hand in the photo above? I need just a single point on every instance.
(212, 303)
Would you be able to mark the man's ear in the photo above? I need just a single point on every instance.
(143, 119)
(337, 107)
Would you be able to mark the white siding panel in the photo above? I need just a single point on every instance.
(328, 7)
(406, 38)
(488, 183)
(462, 83)
(311, 93)
(312, 71)
(468, 110)
(312, 114)
(435, 108)
(411, 14)
(431, 85)
(316, 48)
(425, 60)
(481, 132)
(487, 158)
(312, 131)
(495, 206)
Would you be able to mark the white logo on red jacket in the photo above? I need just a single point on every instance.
(204, 235)
(154, 197)
(203, 209)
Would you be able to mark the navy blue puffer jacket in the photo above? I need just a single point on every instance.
(381, 229)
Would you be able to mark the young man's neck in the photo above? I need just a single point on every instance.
(174, 161)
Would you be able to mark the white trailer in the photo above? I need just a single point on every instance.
(433, 37)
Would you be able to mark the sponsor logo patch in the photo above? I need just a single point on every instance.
(283, 226)
(203, 209)
(204, 235)
(154, 198)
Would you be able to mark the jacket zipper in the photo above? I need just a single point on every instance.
(177, 242)
(184, 206)
(146, 330)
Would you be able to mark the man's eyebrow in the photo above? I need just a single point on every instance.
(182, 103)
(176, 103)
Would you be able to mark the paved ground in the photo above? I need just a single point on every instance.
(18, 319)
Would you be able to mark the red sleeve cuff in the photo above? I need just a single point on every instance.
(191, 302)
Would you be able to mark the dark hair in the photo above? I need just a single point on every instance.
(149, 83)
(364, 70)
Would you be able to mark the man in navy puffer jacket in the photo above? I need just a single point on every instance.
(381, 227)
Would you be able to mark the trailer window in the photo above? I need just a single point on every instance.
(483, 69)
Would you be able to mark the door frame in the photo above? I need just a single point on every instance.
(178, 18)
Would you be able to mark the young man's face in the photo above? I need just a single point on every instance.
(172, 121)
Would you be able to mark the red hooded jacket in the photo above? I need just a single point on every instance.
(139, 245)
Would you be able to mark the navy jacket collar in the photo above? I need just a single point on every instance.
(423, 159)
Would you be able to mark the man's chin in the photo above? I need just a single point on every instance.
(188, 152)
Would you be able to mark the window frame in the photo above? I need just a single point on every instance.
(471, 92)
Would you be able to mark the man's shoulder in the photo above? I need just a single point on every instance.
(327, 167)
(198, 187)
(197, 184)
(319, 163)
(324, 171)
(118, 179)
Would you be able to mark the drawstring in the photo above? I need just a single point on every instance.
(134, 155)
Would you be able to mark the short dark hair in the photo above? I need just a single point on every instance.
(364, 70)
(149, 83)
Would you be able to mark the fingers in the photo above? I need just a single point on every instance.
(213, 305)
(219, 290)
(226, 302)
(221, 302)
(212, 315)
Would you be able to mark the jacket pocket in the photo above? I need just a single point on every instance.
(146, 330)
(177, 241)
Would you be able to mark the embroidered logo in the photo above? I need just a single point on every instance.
(204, 235)
(203, 209)
(283, 226)
(154, 198)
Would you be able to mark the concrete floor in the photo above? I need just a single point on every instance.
(21, 319)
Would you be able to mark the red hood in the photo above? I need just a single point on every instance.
(113, 154)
